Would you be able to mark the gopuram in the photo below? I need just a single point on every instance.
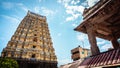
(31, 44)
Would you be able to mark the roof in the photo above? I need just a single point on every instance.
(35, 14)
(105, 19)
(77, 49)
(109, 58)
(74, 64)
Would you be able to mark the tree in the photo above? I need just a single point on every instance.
(8, 63)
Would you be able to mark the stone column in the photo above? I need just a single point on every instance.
(92, 39)
(115, 43)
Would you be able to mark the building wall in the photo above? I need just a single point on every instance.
(83, 52)
(79, 53)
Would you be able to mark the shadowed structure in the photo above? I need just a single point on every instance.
(103, 21)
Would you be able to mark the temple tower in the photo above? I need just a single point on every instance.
(32, 44)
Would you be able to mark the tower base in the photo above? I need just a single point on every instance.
(25, 63)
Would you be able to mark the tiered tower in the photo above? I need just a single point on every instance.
(32, 42)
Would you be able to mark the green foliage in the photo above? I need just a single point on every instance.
(8, 63)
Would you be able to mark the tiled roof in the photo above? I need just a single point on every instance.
(74, 64)
(104, 59)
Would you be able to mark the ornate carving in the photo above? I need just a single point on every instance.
(32, 37)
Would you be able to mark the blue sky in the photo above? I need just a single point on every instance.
(62, 17)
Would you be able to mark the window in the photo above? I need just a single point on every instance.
(75, 52)
(34, 46)
(35, 34)
(35, 39)
(82, 52)
(33, 55)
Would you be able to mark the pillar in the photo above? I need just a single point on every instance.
(92, 39)
(115, 43)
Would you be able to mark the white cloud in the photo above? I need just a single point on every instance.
(73, 10)
(91, 2)
(81, 37)
(10, 5)
(22, 6)
(69, 11)
(83, 40)
(106, 47)
(85, 4)
(63, 2)
(64, 61)
(7, 5)
(74, 25)
(101, 42)
(69, 18)
(10, 18)
(36, 9)
(39, 1)
(79, 9)
(47, 12)
(75, 2)
(59, 34)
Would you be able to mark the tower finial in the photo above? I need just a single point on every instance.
(28, 12)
